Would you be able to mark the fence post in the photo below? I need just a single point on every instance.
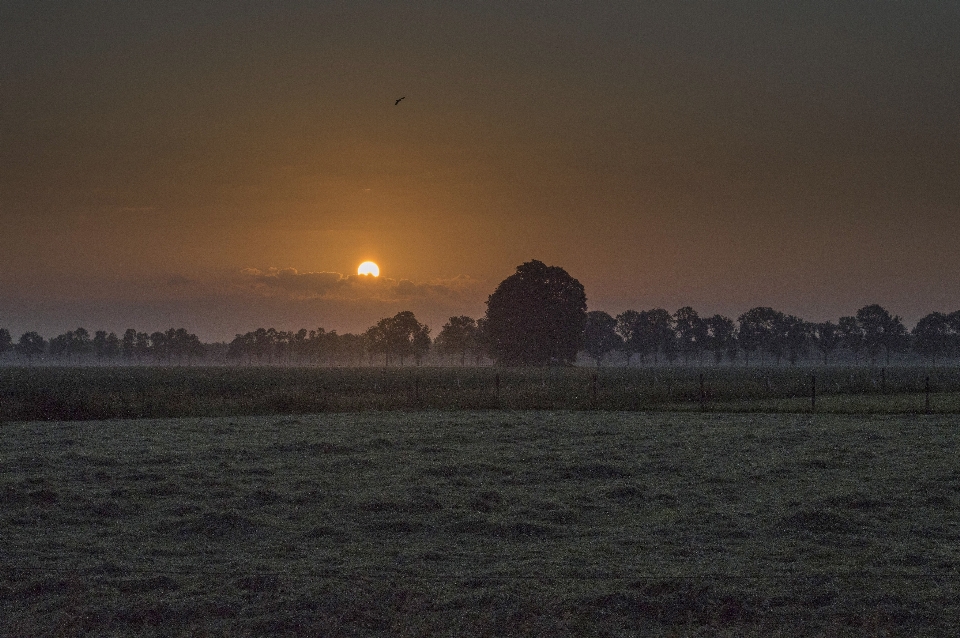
(593, 385)
(883, 380)
(927, 388)
(813, 393)
(416, 391)
(496, 390)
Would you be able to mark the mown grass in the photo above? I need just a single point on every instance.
(482, 523)
(82, 393)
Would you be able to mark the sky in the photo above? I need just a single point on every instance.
(222, 166)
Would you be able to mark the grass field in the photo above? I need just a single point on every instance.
(482, 523)
(85, 393)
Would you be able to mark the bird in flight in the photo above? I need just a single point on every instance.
(398, 100)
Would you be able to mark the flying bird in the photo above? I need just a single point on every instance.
(398, 100)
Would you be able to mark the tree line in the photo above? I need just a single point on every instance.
(537, 316)
(78, 346)
(766, 335)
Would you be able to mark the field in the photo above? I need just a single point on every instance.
(82, 393)
(482, 522)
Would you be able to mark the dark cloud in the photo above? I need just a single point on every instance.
(332, 285)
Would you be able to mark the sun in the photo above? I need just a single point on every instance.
(368, 268)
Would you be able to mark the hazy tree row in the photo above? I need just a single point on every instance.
(393, 340)
(78, 346)
(765, 335)
(761, 335)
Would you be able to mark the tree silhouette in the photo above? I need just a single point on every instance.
(128, 345)
(72, 343)
(796, 337)
(483, 345)
(536, 317)
(402, 329)
(158, 346)
(100, 344)
(143, 346)
(661, 335)
(756, 330)
(317, 346)
(458, 337)
(721, 337)
(881, 331)
(953, 343)
(30, 345)
(81, 343)
(396, 336)
(826, 337)
(111, 348)
(600, 335)
(349, 347)
(6, 342)
(851, 336)
(644, 333)
(420, 343)
(629, 327)
(299, 346)
(932, 336)
(691, 333)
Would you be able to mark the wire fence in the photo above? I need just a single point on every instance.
(90, 393)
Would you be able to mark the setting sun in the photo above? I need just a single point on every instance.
(368, 268)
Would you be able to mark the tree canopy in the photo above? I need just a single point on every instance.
(536, 317)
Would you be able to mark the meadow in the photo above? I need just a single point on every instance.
(111, 392)
(482, 523)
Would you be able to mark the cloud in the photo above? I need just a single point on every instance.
(291, 283)
(289, 280)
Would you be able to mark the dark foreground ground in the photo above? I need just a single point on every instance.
(482, 523)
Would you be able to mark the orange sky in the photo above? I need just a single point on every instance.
(714, 154)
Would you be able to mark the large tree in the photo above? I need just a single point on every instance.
(600, 335)
(537, 317)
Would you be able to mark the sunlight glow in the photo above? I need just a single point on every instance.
(368, 268)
